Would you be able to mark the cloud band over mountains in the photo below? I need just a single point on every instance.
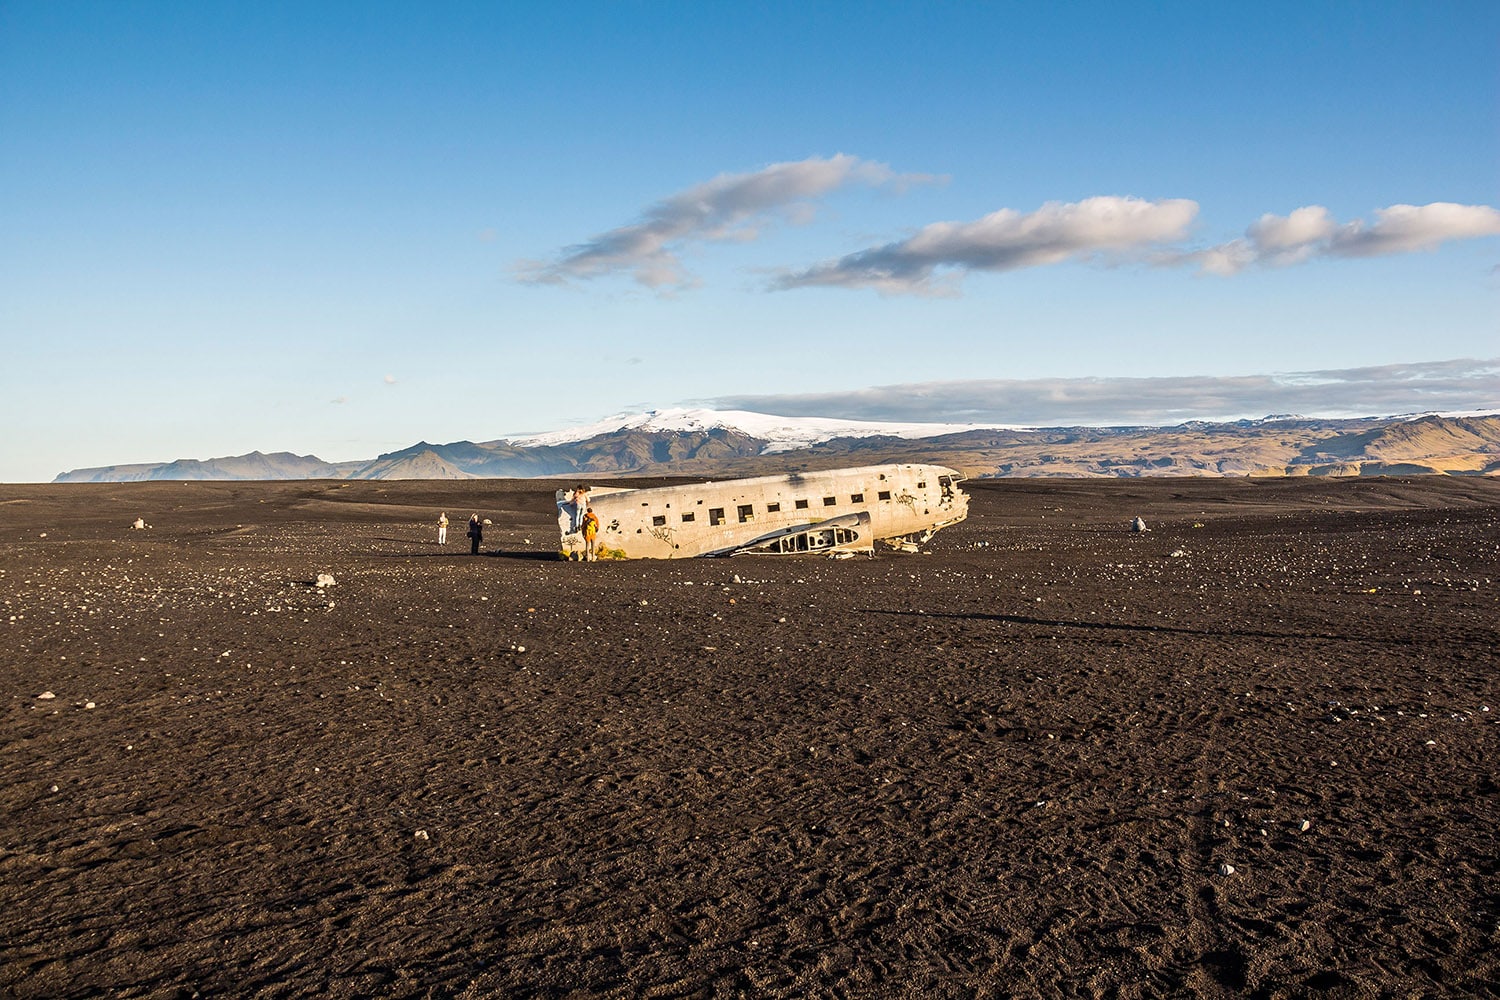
(935, 258)
(1444, 386)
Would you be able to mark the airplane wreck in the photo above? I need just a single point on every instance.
(837, 512)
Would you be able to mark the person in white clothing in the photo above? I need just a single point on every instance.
(443, 528)
(580, 505)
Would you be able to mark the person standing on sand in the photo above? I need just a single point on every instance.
(590, 533)
(443, 528)
(476, 534)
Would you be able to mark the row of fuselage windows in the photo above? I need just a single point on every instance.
(745, 512)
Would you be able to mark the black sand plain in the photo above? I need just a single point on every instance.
(1250, 752)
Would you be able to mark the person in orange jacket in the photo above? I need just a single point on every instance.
(590, 533)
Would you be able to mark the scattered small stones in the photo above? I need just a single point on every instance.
(1178, 553)
(422, 835)
(326, 580)
(45, 696)
(1138, 525)
(140, 524)
(1226, 869)
(70, 602)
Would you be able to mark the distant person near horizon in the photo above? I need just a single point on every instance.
(443, 528)
(476, 534)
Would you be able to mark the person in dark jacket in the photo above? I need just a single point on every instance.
(476, 534)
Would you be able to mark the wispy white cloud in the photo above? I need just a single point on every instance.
(1450, 386)
(935, 258)
(729, 207)
(1311, 232)
(937, 255)
(1110, 228)
(390, 380)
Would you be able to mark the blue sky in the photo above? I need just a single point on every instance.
(339, 229)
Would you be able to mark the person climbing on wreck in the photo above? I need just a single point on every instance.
(580, 501)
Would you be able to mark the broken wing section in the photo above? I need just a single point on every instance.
(848, 533)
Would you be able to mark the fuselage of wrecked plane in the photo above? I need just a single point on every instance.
(832, 512)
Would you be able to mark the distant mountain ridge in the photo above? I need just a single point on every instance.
(718, 444)
(254, 466)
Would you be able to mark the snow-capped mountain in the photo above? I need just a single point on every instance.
(729, 443)
(779, 433)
